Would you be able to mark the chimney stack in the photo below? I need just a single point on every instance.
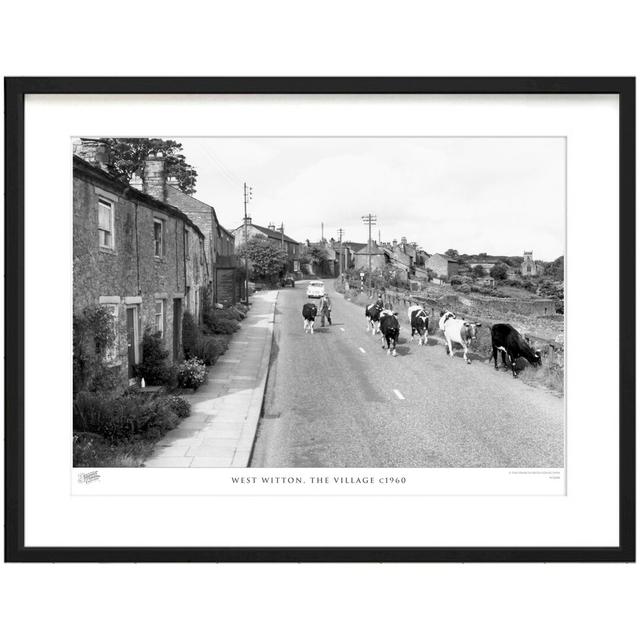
(271, 227)
(96, 152)
(154, 178)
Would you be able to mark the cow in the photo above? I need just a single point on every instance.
(458, 331)
(512, 345)
(372, 314)
(444, 316)
(390, 330)
(309, 313)
(419, 320)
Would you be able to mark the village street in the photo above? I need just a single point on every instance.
(335, 398)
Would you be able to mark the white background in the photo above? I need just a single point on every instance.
(586, 516)
(370, 38)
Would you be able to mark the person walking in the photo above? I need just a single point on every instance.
(325, 309)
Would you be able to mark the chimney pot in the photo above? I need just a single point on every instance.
(96, 152)
(154, 178)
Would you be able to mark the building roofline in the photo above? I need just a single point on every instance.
(126, 190)
(275, 235)
(206, 204)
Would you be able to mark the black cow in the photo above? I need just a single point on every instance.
(506, 339)
(419, 323)
(309, 313)
(372, 314)
(390, 330)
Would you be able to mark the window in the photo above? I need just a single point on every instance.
(105, 224)
(187, 250)
(111, 350)
(159, 318)
(158, 237)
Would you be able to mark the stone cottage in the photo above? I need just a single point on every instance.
(277, 237)
(139, 256)
(443, 266)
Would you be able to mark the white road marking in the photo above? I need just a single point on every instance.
(361, 349)
(400, 396)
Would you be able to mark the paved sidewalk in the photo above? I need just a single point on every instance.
(225, 410)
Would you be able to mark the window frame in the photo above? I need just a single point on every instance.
(160, 315)
(187, 245)
(111, 354)
(159, 221)
(111, 205)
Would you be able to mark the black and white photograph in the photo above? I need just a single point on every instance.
(319, 302)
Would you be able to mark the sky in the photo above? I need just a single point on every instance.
(501, 196)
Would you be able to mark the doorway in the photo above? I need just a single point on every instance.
(177, 329)
(132, 341)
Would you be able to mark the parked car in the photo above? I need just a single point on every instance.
(288, 281)
(315, 289)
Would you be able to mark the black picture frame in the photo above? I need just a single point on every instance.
(15, 91)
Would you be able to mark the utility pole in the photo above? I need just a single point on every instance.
(370, 220)
(322, 233)
(281, 230)
(248, 195)
(340, 232)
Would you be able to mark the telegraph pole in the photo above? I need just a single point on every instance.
(340, 232)
(370, 220)
(248, 195)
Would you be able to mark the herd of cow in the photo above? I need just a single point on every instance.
(504, 338)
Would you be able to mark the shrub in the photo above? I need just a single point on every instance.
(92, 450)
(192, 373)
(455, 281)
(220, 321)
(93, 335)
(118, 418)
(210, 348)
(154, 368)
(179, 406)
(190, 335)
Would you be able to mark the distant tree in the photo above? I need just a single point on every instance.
(452, 253)
(129, 154)
(478, 271)
(499, 271)
(482, 255)
(267, 260)
(555, 269)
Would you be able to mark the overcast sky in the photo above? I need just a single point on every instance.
(497, 195)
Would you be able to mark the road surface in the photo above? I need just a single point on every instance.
(336, 399)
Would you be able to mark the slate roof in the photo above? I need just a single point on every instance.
(271, 233)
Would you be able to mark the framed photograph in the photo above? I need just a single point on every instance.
(320, 319)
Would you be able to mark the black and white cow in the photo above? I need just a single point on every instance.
(458, 331)
(506, 339)
(419, 320)
(309, 313)
(372, 314)
(390, 330)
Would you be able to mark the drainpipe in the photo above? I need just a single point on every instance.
(125, 194)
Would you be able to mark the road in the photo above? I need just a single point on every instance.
(336, 399)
